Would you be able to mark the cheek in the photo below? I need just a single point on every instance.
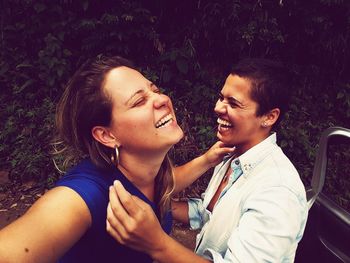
(232, 115)
(140, 125)
(135, 124)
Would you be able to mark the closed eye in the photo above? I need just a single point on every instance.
(139, 102)
(233, 105)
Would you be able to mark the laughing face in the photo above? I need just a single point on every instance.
(238, 124)
(143, 119)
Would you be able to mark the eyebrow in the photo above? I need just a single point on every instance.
(232, 100)
(140, 91)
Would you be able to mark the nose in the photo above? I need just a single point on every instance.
(161, 100)
(220, 107)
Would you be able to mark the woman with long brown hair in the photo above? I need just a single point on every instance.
(120, 127)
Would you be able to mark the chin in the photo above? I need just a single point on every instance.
(174, 138)
(225, 139)
(178, 136)
(220, 137)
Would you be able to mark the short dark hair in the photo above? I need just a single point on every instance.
(269, 83)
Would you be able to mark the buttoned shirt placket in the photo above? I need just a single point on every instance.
(235, 174)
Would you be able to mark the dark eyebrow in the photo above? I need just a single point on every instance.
(153, 86)
(231, 100)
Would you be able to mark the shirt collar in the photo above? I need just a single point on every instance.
(251, 158)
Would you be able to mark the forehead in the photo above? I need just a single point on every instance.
(120, 83)
(237, 87)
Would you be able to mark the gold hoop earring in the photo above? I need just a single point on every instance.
(115, 156)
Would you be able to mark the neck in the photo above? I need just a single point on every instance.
(141, 170)
(241, 149)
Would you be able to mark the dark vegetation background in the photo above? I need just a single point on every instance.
(187, 48)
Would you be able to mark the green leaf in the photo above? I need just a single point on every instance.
(39, 7)
(23, 65)
(340, 95)
(166, 76)
(3, 69)
(182, 66)
(67, 52)
(85, 5)
(25, 85)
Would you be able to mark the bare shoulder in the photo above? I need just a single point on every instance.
(62, 200)
(50, 227)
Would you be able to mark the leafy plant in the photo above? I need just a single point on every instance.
(187, 48)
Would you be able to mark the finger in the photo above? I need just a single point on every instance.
(227, 149)
(140, 203)
(145, 212)
(111, 231)
(117, 208)
(115, 225)
(220, 144)
(126, 199)
(119, 226)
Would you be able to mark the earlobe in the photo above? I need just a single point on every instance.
(104, 136)
(271, 117)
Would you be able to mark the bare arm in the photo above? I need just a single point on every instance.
(49, 228)
(132, 222)
(179, 210)
(189, 172)
(172, 251)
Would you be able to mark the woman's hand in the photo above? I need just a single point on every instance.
(189, 172)
(132, 222)
(216, 153)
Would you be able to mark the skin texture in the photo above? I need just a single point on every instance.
(236, 107)
(136, 226)
(60, 218)
(52, 225)
(138, 106)
(131, 222)
(188, 173)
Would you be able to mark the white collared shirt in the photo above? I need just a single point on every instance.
(259, 217)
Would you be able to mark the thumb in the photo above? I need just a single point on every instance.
(226, 149)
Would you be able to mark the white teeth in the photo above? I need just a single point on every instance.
(165, 121)
(224, 122)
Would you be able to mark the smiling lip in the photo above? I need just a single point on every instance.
(164, 121)
(224, 123)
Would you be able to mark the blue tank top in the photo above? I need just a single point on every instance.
(96, 245)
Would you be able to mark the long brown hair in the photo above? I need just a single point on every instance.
(84, 105)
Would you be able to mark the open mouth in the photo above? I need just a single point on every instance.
(224, 123)
(165, 121)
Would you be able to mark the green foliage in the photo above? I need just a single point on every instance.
(184, 47)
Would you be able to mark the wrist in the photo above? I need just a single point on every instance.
(159, 252)
(206, 162)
